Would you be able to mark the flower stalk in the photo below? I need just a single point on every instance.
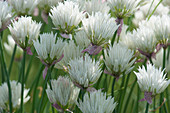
(7, 75)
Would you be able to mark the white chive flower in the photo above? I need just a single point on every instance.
(24, 31)
(158, 60)
(16, 95)
(71, 51)
(161, 28)
(84, 71)
(123, 8)
(152, 81)
(81, 39)
(143, 12)
(128, 40)
(62, 94)
(96, 6)
(5, 13)
(99, 28)
(66, 16)
(144, 41)
(119, 60)
(24, 7)
(80, 3)
(47, 4)
(49, 48)
(97, 102)
(9, 47)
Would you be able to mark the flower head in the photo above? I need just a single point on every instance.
(97, 102)
(158, 60)
(99, 28)
(84, 71)
(142, 13)
(16, 95)
(123, 8)
(5, 13)
(161, 28)
(144, 40)
(82, 39)
(9, 47)
(96, 6)
(66, 16)
(62, 94)
(152, 81)
(49, 48)
(24, 31)
(24, 7)
(118, 60)
(71, 51)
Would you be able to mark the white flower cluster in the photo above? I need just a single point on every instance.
(97, 102)
(82, 39)
(158, 60)
(24, 7)
(49, 48)
(24, 31)
(96, 6)
(144, 39)
(152, 79)
(119, 60)
(145, 10)
(99, 28)
(62, 93)
(9, 47)
(84, 71)
(161, 28)
(123, 8)
(66, 16)
(71, 51)
(16, 95)
(5, 13)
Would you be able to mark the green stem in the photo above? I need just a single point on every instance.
(2, 68)
(114, 37)
(20, 73)
(22, 82)
(121, 94)
(113, 84)
(150, 8)
(164, 58)
(154, 102)
(105, 83)
(7, 76)
(36, 85)
(129, 96)
(167, 96)
(44, 87)
(29, 66)
(147, 107)
(163, 67)
(151, 61)
(104, 66)
(137, 100)
(12, 59)
(2, 72)
(154, 9)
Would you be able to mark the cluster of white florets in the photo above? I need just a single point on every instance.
(88, 26)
